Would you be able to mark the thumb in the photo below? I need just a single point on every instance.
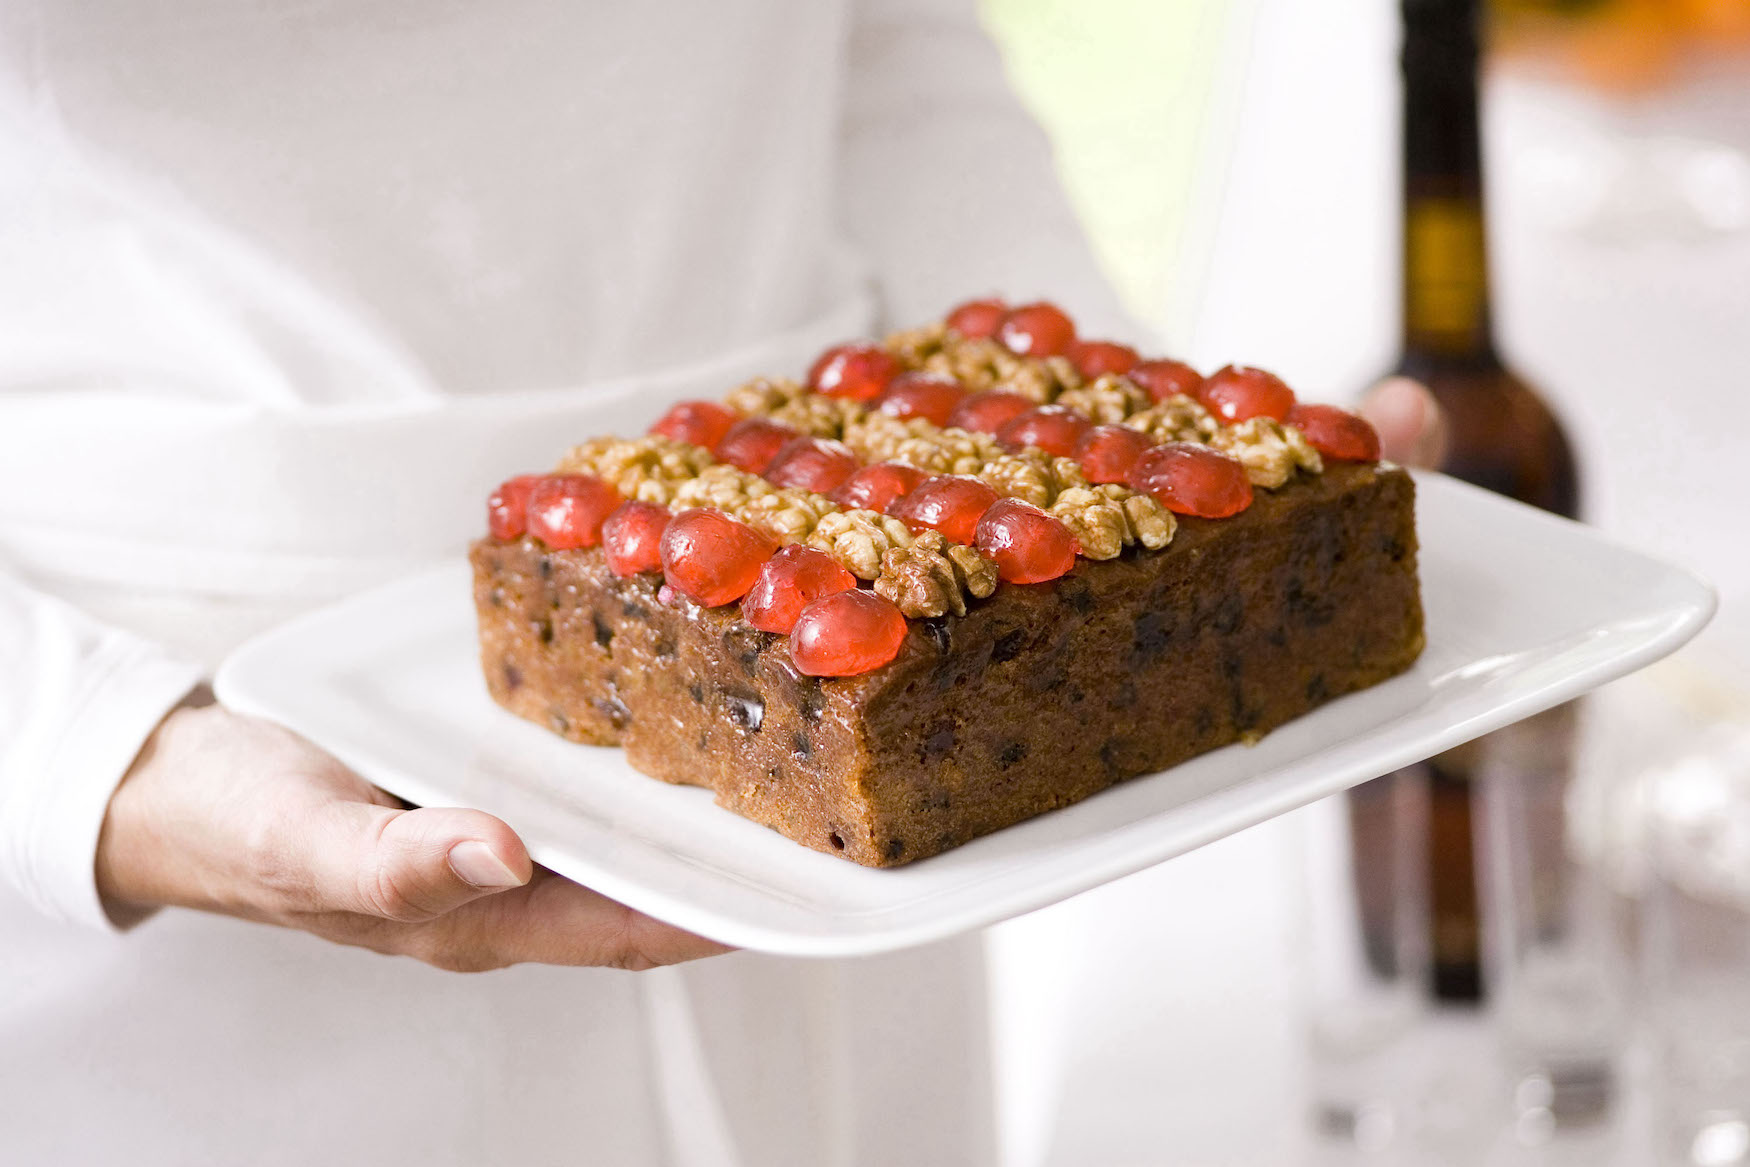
(1410, 423)
(414, 865)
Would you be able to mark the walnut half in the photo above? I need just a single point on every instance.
(932, 577)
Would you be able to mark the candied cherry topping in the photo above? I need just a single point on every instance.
(1053, 428)
(752, 443)
(810, 463)
(857, 371)
(949, 503)
(702, 423)
(1037, 330)
(1163, 379)
(566, 510)
(989, 411)
(873, 488)
(1239, 392)
(1193, 480)
(1028, 545)
(791, 580)
(1336, 433)
(931, 396)
(632, 537)
(1097, 358)
(977, 319)
(846, 633)
(710, 558)
(1107, 452)
(507, 508)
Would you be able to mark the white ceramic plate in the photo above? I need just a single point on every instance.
(1524, 611)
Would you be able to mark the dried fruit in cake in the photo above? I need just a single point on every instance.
(931, 396)
(810, 463)
(712, 559)
(1236, 393)
(875, 487)
(1164, 379)
(858, 372)
(1097, 358)
(949, 503)
(788, 582)
(699, 423)
(1037, 330)
(507, 508)
(989, 411)
(632, 537)
(1189, 479)
(846, 633)
(752, 443)
(566, 510)
(1053, 428)
(977, 319)
(1028, 545)
(1336, 433)
(1107, 453)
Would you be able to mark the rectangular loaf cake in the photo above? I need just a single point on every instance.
(998, 707)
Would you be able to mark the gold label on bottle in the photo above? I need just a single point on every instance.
(1445, 272)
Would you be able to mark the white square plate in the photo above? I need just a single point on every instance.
(1524, 612)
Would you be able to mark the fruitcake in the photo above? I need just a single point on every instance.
(952, 580)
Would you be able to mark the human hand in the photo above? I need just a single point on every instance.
(1411, 426)
(231, 814)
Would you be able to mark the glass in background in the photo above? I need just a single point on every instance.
(1554, 934)
(1697, 950)
(1367, 952)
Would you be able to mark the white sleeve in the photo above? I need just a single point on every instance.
(77, 700)
(947, 184)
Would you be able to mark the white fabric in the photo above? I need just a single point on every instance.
(283, 290)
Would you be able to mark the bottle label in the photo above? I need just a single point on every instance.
(1445, 273)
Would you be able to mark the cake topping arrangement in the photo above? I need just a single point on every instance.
(905, 478)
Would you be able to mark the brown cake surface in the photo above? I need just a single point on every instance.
(1038, 696)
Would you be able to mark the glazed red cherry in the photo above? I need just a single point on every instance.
(931, 396)
(702, 423)
(566, 510)
(1239, 392)
(948, 503)
(1028, 545)
(1193, 480)
(1336, 433)
(1053, 428)
(788, 582)
(710, 558)
(1097, 358)
(977, 319)
(752, 443)
(507, 508)
(809, 463)
(873, 488)
(1164, 379)
(1107, 452)
(1037, 330)
(989, 411)
(857, 371)
(632, 537)
(846, 633)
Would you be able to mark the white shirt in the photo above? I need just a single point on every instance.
(284, 289)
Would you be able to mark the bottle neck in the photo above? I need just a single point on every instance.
(1446, 277)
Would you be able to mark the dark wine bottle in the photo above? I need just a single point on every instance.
(1501, 435)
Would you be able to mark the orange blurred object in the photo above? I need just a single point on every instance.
(1621, 45)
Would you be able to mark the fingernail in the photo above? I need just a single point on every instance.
(480, 865)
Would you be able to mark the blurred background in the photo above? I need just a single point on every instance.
(1238, 165)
